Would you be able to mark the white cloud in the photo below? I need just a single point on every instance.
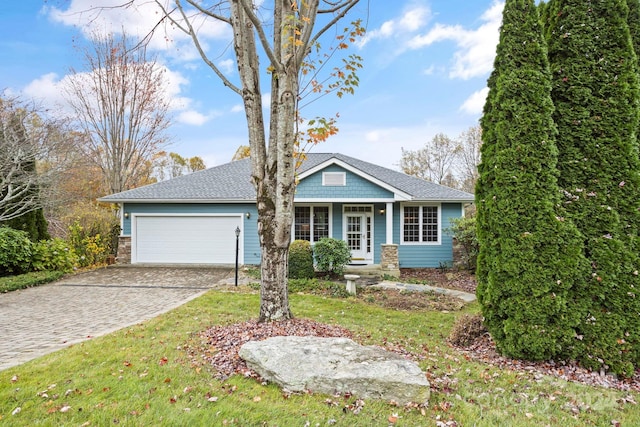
(475, 48)
(49, 89)
(266, 100)
(238, 108)
(46, 89)
(411, 20)
(227, 66)
(475, 103)
(140, 19)
(191, 117)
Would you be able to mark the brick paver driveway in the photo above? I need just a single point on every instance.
(37, 321)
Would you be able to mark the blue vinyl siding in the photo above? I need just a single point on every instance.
(250, 226)
(379, 230)
(356, 187)
(411, 256)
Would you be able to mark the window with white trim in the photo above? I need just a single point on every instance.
(420, 224)
(311, 223)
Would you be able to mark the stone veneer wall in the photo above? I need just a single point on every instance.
(124, 250)
(389, 260)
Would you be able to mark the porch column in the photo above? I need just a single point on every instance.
(389, 227)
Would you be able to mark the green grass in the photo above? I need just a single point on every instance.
(143, 376)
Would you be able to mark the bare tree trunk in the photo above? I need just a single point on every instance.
(273, 164)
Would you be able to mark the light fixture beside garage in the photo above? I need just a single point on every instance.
(248, 215)
(126, 214)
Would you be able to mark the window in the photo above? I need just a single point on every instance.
(334, 179)
(311, 223)
(420, 224)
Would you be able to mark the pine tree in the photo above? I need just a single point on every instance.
(530, 256)
(595, 93)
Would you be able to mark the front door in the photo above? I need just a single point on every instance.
(358, 234)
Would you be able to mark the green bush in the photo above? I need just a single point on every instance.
(91, 248)
(28, 280)
(52, 255)
(464, 231)
(331, 255)
(301, 260)
(15, 252)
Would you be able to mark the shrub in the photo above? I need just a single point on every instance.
(466, 330)
(464, 231)
(331, 255)
(85, 219)
(54, 255)
(28, 280)
(301, 260)
(91, 249)
(15, 252)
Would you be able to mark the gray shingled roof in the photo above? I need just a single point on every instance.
(231, 182)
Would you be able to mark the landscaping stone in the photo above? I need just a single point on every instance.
(336, 366)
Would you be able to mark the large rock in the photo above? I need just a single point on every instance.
(336, 366)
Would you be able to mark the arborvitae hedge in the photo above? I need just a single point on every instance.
(595, 93)
(530, 255)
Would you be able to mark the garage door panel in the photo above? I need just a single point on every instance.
(186, 239)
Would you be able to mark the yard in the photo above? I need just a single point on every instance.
(171, 371)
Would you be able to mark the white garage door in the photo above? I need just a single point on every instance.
(185, 239)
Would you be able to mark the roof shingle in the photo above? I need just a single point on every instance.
(232, 182)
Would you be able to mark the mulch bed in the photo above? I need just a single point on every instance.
(220, 344)
(461, 280)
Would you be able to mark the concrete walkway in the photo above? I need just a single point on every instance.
(465, 296)
(41, 320)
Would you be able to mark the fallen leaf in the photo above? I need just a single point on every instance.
(16, 411)
(213, 399)
(167, 380)
(14, 378)
(163, 361)
(65, 408)
(393, 418)
(257, 399)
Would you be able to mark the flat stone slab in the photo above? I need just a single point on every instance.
(336, 366)
(464, 296)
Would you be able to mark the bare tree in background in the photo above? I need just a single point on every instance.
(120, 104)
(469, 142)
(171, 165)
(28, 143)
(446, 161)
(434, 162)
(282, 34)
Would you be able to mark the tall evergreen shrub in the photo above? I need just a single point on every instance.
(595, 93)
(530, 255)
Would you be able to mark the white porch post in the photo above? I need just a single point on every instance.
(389, 218)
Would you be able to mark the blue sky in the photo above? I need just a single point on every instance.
(426, 63)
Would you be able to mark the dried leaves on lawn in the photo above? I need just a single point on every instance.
(484, 350)
(220, 344)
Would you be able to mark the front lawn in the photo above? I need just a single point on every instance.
(156, 373)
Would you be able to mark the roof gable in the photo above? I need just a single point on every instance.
(328, 165)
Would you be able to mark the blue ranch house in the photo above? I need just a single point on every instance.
(386, 217)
